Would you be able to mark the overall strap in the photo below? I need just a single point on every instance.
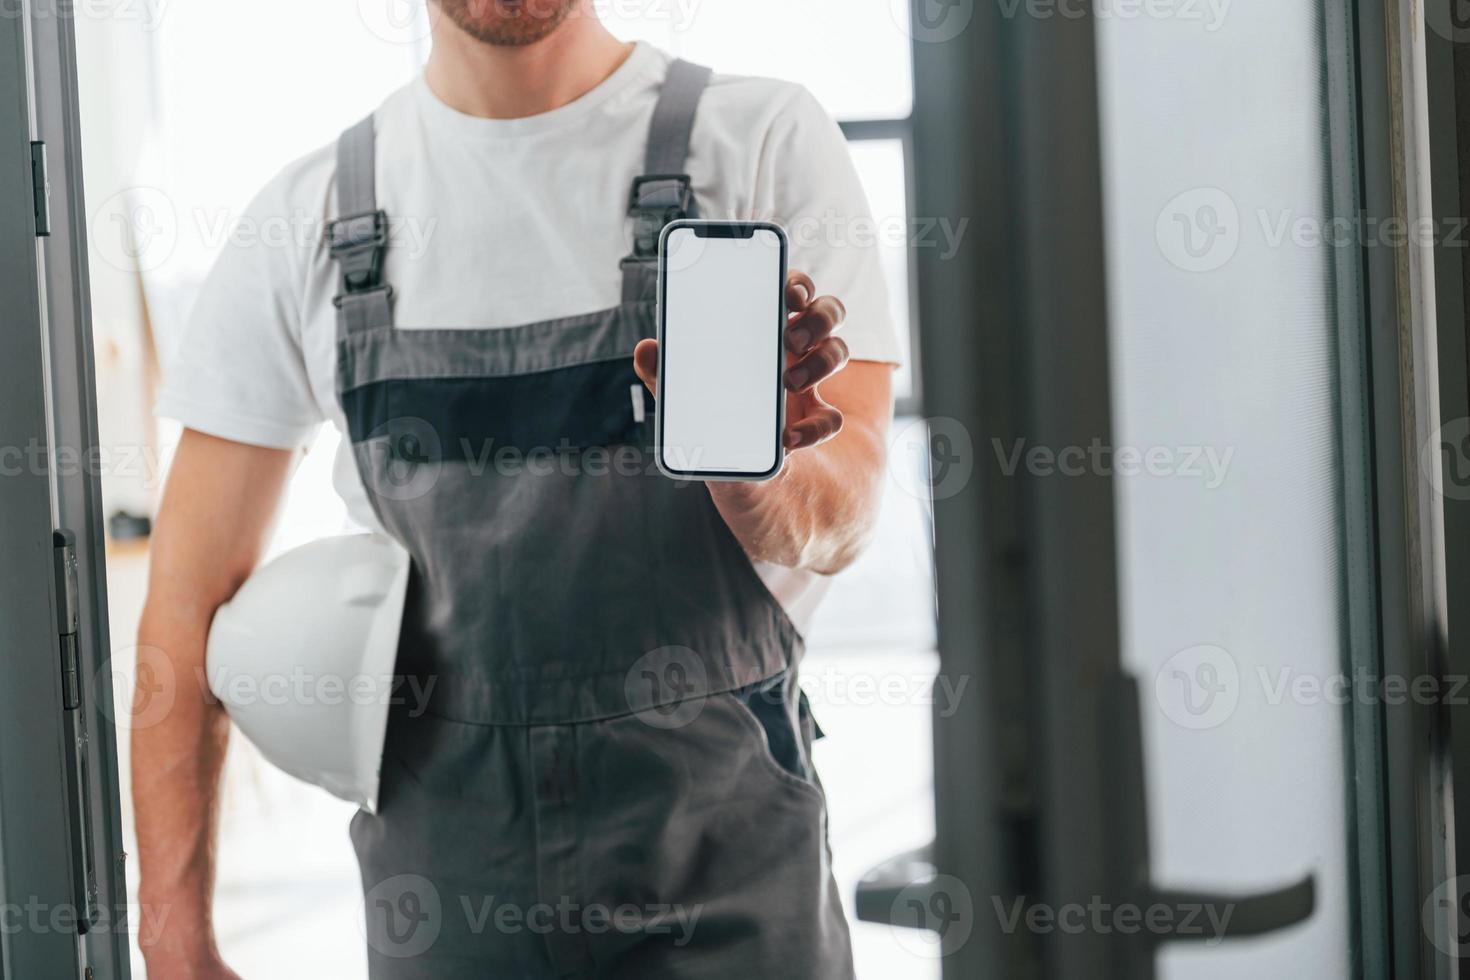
(662, 192)
(358, 239)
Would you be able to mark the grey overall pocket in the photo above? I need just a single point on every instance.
(788, 733)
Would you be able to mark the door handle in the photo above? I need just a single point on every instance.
(880, 891)
(908, 890)
(901, 892)
(1250, 915)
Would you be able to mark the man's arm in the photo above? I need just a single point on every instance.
(819, 512)
(217, 512)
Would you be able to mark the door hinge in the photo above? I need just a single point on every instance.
(74, 723)
(68, 616)
(40, 189)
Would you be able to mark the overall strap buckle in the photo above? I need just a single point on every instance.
(656, 200)
(358, 243)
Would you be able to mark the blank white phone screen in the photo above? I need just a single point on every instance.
(721, 385)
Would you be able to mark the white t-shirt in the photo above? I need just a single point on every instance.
(499, 222)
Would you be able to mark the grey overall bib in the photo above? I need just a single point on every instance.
(612, 775)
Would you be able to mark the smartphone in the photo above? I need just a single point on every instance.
(721, 406)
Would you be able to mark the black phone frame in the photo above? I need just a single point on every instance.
(722, 229)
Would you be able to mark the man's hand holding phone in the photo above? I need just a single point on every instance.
(781, 519)
(813, 354)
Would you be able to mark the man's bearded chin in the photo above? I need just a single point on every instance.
(507, 22)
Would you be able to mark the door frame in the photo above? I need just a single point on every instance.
(1398, 799)
(59, 802)
(1026, 567)
(1447, 98)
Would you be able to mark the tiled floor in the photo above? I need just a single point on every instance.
(288, 902)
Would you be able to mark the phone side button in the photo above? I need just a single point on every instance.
(640, 410)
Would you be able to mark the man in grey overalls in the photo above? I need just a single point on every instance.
(612, 775)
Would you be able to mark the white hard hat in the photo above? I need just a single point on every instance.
(302, 658)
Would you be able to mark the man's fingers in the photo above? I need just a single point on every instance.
(825, 360)
(799, 291)
(815, 324)
(820, 424)
(645, 362)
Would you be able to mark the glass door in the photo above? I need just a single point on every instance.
(1245, 552)
(1190, 576)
